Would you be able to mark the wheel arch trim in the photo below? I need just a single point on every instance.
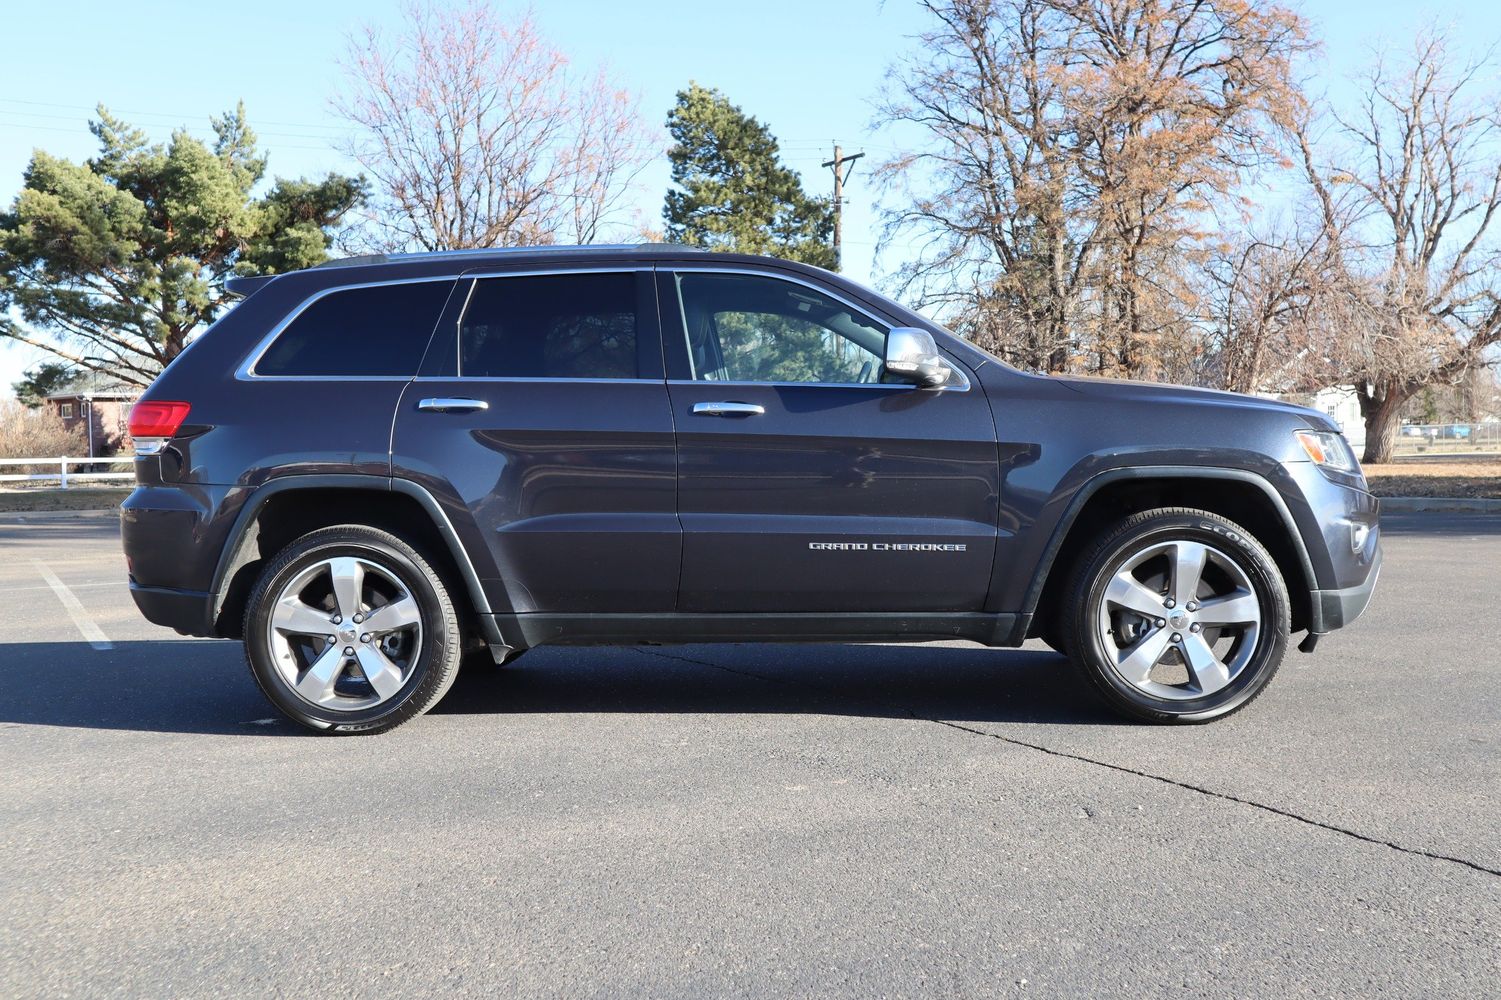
(231, 556)
(1082, 496)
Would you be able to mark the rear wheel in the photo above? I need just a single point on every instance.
(1177, 615)
(349, 630)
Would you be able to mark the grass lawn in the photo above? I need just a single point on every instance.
(78, 498)
(1469, 480)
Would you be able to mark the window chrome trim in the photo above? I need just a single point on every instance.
(956, 365)
(247, 373)
(820, 385)
(551, 379)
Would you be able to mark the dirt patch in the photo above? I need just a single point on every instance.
(84, 498)
(1467, 480)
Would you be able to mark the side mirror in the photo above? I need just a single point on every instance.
(912, 356)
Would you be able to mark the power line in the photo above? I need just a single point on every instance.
(175, 115)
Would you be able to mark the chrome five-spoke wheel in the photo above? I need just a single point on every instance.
(1177, 615)
(345, 633)
(1181, 619)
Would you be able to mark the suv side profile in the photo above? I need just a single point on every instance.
(368, 469)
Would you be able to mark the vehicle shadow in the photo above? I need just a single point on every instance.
(958, 683)
(203, 687)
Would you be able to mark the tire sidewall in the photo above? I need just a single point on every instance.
(419, 582)
(1270, 592)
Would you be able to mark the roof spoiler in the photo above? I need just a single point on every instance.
(243, 285)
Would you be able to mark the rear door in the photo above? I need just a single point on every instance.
(806, 483)
(541, 420)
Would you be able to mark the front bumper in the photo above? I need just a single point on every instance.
(1332, 609)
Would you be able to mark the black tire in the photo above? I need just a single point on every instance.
(1052, 635)
(432, 667)
(1098, 566)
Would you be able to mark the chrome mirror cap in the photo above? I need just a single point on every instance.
(912, 356)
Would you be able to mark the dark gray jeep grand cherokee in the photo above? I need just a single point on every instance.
(368, 468)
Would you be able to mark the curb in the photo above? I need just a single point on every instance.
(28, 516)
(1438, 505)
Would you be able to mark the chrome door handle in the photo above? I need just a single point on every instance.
(729, 409)
(444, 404)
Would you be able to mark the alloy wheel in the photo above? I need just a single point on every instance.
(1179, 619)
(345, 633)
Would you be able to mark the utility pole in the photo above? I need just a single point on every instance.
(840, 174)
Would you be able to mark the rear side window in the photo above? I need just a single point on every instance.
(551, 326)
(379, 330)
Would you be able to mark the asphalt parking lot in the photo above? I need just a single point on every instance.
(936, 820)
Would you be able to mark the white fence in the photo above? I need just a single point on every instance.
(63, 464)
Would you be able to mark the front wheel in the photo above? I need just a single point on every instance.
(1177, 615)
(349, 630)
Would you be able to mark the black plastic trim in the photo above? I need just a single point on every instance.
(1333, 609)
(1093, 486)
(526, 630)
(231, 556)
(184, 611)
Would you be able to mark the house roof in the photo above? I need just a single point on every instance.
(97, 385)
(92, 394)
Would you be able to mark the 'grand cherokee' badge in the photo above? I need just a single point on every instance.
(888, 546)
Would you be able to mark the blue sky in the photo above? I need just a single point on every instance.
(808, 68)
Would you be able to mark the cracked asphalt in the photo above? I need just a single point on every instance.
(927, 820)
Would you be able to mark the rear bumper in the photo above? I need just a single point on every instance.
(1332, 609)
(188, 612)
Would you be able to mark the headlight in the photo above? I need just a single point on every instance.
(1329, 449)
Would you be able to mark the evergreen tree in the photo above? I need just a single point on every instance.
(733, 191)
(113, 263)
(40, 380)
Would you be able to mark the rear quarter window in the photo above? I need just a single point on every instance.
(370, 331)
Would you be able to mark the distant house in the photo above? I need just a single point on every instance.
(99, 415)
(1340, 402)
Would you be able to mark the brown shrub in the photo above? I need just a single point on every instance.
(39, 433)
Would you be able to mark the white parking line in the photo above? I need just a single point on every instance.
(93, 633)
(76, 586)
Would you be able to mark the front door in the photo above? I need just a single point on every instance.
(805, 482)
(541, 421)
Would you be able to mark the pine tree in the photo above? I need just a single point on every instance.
(114, 263)
(733, 191)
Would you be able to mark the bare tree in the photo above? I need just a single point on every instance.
(1075, 148)
(478, 134)
(1178, 101)
(994, 196)
(1409, 190)
(1268, 292)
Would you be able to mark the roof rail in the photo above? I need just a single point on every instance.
(543, 248)
(245, 284)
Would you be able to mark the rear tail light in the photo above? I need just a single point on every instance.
(154, 422)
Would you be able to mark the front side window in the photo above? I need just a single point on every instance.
(553, 326)
(377, 330)
(751, 328)
(67, 410)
